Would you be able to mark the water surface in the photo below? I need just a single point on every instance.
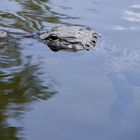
(70, 96)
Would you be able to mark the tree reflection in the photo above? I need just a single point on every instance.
(20, 86)
(30, 16)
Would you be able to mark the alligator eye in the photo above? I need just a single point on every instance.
(53, 37)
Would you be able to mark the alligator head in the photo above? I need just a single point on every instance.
(70, 38)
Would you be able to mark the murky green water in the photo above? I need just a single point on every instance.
(91, 95)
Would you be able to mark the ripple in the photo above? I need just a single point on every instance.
(133, 13)
(132, 16)
(137, 6)
(18, 76)
(30, 15)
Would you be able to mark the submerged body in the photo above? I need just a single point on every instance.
(121, 65)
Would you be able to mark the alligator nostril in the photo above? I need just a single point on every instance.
(87, 46)
(93, 41)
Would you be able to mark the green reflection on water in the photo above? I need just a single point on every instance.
(20, 83)
(31, 17)
(20, 86)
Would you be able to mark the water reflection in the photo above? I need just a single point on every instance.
(37, 13)
(133, 13)
(85, 101)
(20, 85)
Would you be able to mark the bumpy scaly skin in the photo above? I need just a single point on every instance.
(70, 38)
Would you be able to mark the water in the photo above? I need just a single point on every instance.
(70, 96)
